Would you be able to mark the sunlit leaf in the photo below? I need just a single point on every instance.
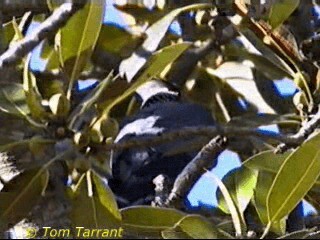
(33, 96)
(263, 64)
(266, 161)
(106, 196)
(86, 199)
(131, 66)
(281, 10)
(59, 105)
(241, 184)
(236, 217)
(157, 63)
(240, 78)
(78, 39)
(8, 33)
(296, 176)
(85, 108)
(266, 51)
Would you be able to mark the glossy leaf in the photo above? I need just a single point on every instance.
(295, 178)
(116, 40)
(106, 196)
(8, 33)
(281, 10)
(86, 199)
(266, 51)
(157, 63)
(59, 105)
(155, 33)
(192, 226)
(33, 96)
(13, 99)
(17, 32)
(266, 161)
(149, 221)
(19, 196)
(86, 107)
(236, 217)
(241, 184)
(240, 78)
(50, 56)
(264, 183)
(263, 64)
(79, 37)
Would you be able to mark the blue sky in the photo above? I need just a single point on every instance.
(205, 188)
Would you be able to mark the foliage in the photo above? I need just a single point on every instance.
(47, 121)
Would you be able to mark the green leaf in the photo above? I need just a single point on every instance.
(8, 33)
(264, 183)
(266, 51)
(50, 56)
(19, 196)
(33, 96)
(157, 63)
(266, 161)
(17, 32)
(155, 33)
(149, 221)
(263, 64)
(13, 99)
(49, 88)
(79, 37)
(295, 178)
(59, 105)
(240, 78)
(79, 115)
(281, 10)
(236, 217)
(174, 233)
(118, 41)
(89, 208)
(241, 184)
(106, 197)
(192, 226)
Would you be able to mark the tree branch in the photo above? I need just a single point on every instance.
(50, 26)
(205, 159)
(210, 132)
(12, 8)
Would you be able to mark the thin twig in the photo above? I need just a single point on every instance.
(50, 26)
(305, 131)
